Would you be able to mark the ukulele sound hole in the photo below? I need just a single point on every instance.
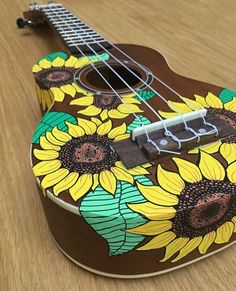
(122, 78)
(97, 81)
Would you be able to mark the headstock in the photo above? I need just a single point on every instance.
(34, 15)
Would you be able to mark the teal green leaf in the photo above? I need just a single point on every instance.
(145, 95)
(51, 119)
(101, 57)
(227, 95)
(137, 123)
(52, 56)
(110, 217)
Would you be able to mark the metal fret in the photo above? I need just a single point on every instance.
(73, 35)
(84, 44)
(84, 37)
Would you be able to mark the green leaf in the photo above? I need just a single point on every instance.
(227, 95)
(52, 56)
(96, 58)
(145, 95)
(109, 215)
(51, 119)
(136, 123)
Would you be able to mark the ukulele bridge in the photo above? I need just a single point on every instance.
(162, 139)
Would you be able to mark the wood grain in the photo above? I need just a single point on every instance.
(196, 37)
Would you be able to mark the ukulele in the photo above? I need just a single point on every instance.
(135, 164)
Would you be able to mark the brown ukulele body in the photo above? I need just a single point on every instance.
(132, 207)
(77, 239)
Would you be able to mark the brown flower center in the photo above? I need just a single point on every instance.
(55, 77)
(88, 154)
(224, 114)
(106, 101)
(203, 207)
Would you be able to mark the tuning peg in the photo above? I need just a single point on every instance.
(21, 23)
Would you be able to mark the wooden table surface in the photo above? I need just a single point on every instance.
(198, 40)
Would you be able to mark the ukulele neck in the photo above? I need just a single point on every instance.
(78, 37)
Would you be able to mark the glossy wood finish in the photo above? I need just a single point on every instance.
(28, 254)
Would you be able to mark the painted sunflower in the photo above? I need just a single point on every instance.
(189, 210)
(227, 146)
(108, 106)
(54, 78)
(81, 159)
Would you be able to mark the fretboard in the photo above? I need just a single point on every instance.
(78, 37)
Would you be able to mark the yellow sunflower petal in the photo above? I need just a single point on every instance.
(75, 130)
(36, 68)
(152, 228)
(65, 183)
(45, 155)
(194, 151)
(68, 89)
(179, 107)
(188, 248)
(108, 181)
(159, 241)
(104, 114)
(54, 177)
(211, 147)
(58, 62)
(234, 222)
(61, 135)
(45, 64)
(157, 195)
(82, 186)
(46, 167)
(104, 128)
(90, 111)
(188, 171)
(130, 100)
(201, 100)
(231, 172)
(152, 211)
(206, 242)
(213, 101)
(83, 101)
(211, 168)
(46, 145)
(47, 98)
(51, 138)
(121, 137)
(175, 246)
(58, 94)
(96, 121)
(224, 232)
(89, 126)
(231, 106)
(130, 95)
(122, 175)
(129, 108)
(81, 62)
(95, 181)
(71, 61)
(119, 130)
(139, 170)
(192, 104)
(168, 114)
(39, 93)
(172, 182)
(79, 89)
(116, 114)
(228, 151)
